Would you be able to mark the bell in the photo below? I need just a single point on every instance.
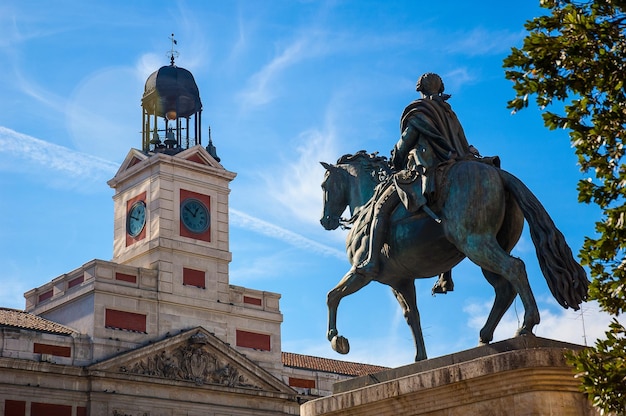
(155, 139)
(170, 141)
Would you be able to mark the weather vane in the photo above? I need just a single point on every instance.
(173, 53)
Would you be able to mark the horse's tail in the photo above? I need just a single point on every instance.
(566, 279)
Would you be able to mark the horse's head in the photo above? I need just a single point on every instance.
(335, 192)
(350, 183)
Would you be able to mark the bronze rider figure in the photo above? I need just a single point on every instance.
(412, 184)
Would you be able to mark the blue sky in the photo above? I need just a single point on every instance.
(284, 85)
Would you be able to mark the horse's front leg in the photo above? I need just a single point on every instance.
(350, 283)
(404, 291)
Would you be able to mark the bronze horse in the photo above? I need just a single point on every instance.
(482, 209)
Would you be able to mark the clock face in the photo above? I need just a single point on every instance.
(136, 219)
(195, 215)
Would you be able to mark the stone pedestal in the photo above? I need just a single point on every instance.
(521, 376)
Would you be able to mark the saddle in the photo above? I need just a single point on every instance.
(432, 186)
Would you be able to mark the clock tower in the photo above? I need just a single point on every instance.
(171, 198)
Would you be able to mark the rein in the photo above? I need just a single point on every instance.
(346, 224)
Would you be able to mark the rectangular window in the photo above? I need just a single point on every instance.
(75, 282)
(302, 383)
(14, 408)
(46, 295)
(49, 409)
(57, 350)
(252, 301)
(193, 277)
(125, 320)
(126, 277)
(253, 340)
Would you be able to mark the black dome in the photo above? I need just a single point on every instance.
(171, 89)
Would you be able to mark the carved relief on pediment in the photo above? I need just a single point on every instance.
(193, 362)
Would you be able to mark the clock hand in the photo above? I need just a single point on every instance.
(192, 213)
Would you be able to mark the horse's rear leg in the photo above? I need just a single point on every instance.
(350, 283)
(487, 253)
(505, 294)
(405, 294)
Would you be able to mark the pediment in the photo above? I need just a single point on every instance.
(197, 357)
(199, 154)
(133, 157)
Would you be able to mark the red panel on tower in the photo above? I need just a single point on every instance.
(57, 350)
(252, 301)
(302, 383)
(126, 277)
(14, 408)
(253, 340)
(50, 409)
(193, 277)
(125, 320)
(45, 295)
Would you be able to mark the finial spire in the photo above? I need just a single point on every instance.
(212, 149)
(173, 53)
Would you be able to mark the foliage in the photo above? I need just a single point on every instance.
(573, 62)
(603, 369)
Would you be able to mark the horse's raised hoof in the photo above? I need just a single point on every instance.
(340, 344)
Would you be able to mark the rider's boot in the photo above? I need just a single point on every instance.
(370, 266)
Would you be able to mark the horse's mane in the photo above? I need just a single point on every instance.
(370, 161)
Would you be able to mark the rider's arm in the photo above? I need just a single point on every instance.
(401, 150)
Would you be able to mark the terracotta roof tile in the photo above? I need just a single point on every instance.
(24, 320)
(328, 365)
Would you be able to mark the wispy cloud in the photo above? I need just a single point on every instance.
(194, 33)
(295, 183)
(297, 186)
(242, 220)
(458, 78)
(20, 148)
(31, 26)
(103, 120)
(259, 90)
(480, 41)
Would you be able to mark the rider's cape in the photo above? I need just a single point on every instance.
(434, 119)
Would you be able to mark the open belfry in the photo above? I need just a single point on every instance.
(158, 329)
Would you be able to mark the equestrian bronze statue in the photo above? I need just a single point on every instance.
(434, 203)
